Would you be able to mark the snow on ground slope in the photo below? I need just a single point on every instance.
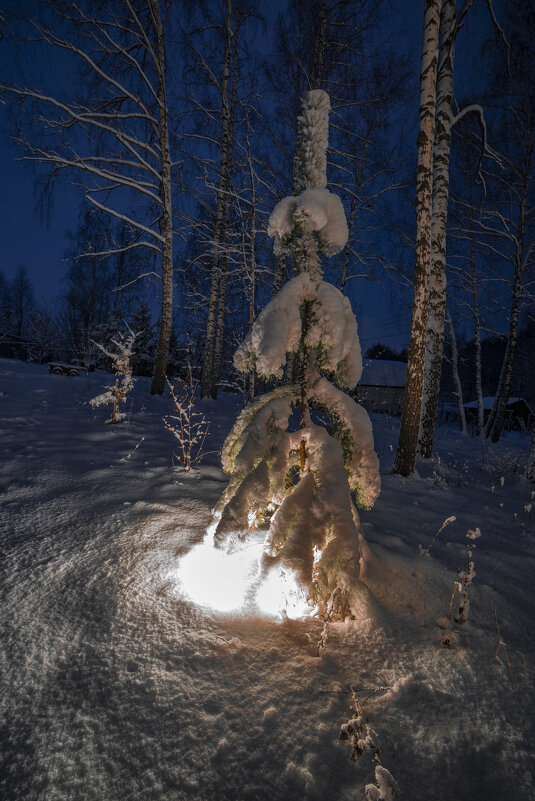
(116, 686)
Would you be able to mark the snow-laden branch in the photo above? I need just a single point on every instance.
(125, 218)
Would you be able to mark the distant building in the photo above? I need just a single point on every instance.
(518, 413)
(382, 386)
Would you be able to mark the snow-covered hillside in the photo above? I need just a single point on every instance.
(116, 686)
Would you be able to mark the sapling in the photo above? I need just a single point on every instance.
(188, 426)
(120, 360)
(293, 476)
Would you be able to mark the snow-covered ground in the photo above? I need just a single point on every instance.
(115, 685)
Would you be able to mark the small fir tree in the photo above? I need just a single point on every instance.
(292, 475)
(120, 359)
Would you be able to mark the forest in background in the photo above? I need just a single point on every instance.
(176, 124)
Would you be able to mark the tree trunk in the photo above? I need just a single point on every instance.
(530, 465)
(410, 418)
(477, 330)
(497, 417)
(455, 371)
(502, 401)
(220, 326)
(252, 258)
(227, 188)
(439, 217)
(166, 221)
(347, 254)
(207, 376)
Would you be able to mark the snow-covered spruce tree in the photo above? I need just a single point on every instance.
(122, 368)
(293, 476)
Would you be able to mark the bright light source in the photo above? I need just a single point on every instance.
(217, 577)
(231, 579)
(280, 594)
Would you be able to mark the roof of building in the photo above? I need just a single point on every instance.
(383, 373)
(488, 403)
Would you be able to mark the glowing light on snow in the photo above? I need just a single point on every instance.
(280, 594)
(231, 579)
(219, 578)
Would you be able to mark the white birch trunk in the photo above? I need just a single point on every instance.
(410, 418)
(439, 217)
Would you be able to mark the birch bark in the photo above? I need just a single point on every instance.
(410, 418)
(439, 216)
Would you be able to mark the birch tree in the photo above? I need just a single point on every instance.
(410, 419)
(217, 81)
(112, 137)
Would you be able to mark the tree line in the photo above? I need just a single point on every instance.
(179, 130)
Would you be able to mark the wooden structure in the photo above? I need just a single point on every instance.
(382, 386)
(519, 414)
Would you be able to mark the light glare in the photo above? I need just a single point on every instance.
(231, 579)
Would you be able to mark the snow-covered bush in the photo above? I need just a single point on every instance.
(188, 426)
(120, 360)
(294, 478)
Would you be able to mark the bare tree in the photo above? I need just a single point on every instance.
(216, 84)
(504, 225)
(113, 137)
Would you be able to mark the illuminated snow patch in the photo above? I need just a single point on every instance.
(280, 594)
(231, 579)
(217, 577)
